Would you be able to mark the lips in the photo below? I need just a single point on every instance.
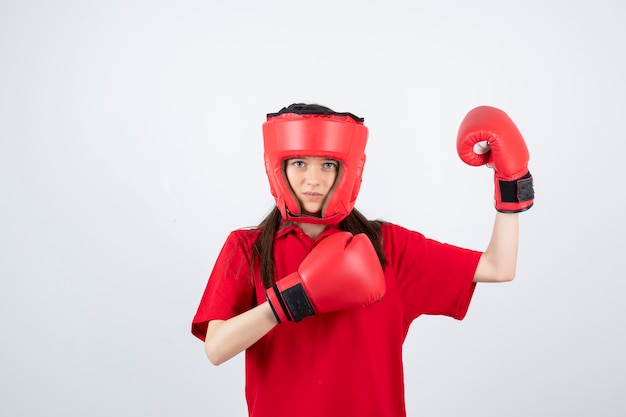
(313, 196)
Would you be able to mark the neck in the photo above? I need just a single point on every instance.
(313, 230)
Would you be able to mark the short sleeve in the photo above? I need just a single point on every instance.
(230, 289)
(433, 278)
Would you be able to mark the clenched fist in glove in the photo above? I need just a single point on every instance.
(488, 136)
(341, 272)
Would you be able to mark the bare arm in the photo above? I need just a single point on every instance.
(498, 262)
(226, 338)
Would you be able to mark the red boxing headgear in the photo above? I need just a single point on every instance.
(298, 133)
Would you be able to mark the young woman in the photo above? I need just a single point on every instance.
(319, 297)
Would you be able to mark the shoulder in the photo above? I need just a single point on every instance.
(243, 238)
(398, 240)
(394, 231)
(246, 233)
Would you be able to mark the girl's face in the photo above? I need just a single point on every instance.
(311, 179)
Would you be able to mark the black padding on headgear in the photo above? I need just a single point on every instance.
(301, 108)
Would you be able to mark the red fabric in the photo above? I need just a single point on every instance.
(345, 363)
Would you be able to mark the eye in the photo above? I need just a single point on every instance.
(330, 165)
(297, 163)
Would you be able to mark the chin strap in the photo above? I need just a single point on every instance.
(303, 218)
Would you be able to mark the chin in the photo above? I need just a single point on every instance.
(317, 213)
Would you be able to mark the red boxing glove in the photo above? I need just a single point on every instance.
(488, 136)
(341, 272)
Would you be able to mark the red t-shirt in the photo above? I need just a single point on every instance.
(347, 363)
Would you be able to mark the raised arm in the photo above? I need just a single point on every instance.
(487, 136)
(497, 263)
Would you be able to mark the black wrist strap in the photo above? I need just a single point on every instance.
(297, 302)
(517, 191)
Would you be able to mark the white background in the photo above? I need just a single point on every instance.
(130, 145)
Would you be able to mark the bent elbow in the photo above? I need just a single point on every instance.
(214, 360)
(495, 275)
(213, 354)
(506, 275)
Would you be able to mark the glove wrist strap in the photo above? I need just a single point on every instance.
(515, 196)
(297, 302)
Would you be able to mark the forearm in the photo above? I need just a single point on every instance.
(226, 339)
(498, 262)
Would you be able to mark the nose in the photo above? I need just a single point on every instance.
(312, 177)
